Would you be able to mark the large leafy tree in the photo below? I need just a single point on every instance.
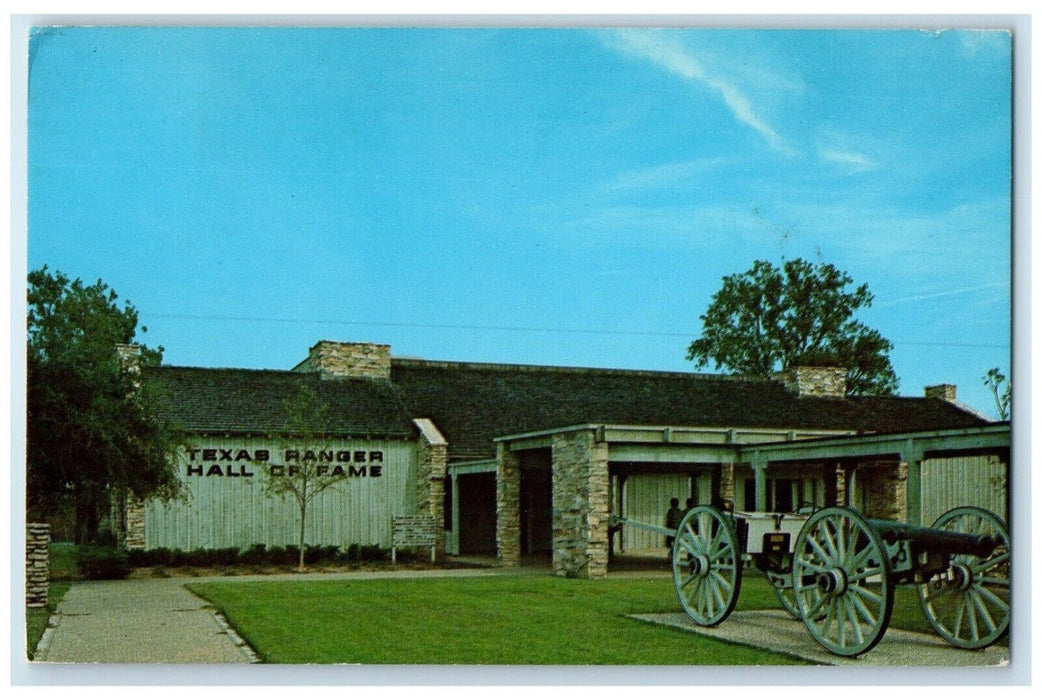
(769, 318)
(93, 430)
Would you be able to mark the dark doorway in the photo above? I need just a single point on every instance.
(477, 513)
(536, 511)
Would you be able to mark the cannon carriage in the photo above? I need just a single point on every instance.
(836, 570)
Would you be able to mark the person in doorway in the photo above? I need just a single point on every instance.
(673, 517)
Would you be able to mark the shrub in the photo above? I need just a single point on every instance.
(372, 552)
(321, 553)
(227, 556)
(276, 555)
(200, 557)
(178, 558)
(254, 556)
(354, 552)
(160, 556)
(329, 553)
(106, 538)
(102, 562)
(138, 558)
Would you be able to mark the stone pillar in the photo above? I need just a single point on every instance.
(134, 537)
(580, 505)
(899, 488)
(432, 459)
(883, 489)
(841, 486)
(37, 572)
(727, 482)
(508, 506)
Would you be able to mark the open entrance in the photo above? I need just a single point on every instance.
(477, 513)
(536, 510)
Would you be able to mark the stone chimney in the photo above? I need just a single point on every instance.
(814, 381)
(129, 357)
(333, 360)
(940, 391)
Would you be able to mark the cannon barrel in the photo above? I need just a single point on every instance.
(933, 540)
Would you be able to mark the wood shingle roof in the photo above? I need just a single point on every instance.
(472, 403)
(254, 401)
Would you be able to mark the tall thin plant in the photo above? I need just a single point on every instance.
(304, 475)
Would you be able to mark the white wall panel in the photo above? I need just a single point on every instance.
(234, 511)
(647, 500)
(963, 481)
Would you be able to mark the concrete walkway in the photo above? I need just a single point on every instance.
(158, 621)
(776, 631)
(142, 621)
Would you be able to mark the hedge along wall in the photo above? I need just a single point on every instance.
(228, 506)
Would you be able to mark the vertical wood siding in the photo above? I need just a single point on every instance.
(647, 500)
(225, 511)
(963, 481)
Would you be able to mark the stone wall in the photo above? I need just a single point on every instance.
(333, 359)
(37, 565)
(432, 458)
(580, 505)
(508, 506)
(814, 381)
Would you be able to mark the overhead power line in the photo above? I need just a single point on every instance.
(511, 329)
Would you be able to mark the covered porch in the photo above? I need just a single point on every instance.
(555, 490)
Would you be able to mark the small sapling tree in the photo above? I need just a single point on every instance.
(1001, 390)
(306, 472)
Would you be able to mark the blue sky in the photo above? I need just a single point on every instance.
(546, 196)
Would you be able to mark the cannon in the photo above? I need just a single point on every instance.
(836, 570)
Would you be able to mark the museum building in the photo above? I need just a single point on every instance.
(515, 460)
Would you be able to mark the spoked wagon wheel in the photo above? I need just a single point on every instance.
(707, 570)
(782, 584)
(969, 603)
(843, 581)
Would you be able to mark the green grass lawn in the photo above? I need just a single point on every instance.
(36, 618)
(62, 568)
(495, 620)
(62, 562)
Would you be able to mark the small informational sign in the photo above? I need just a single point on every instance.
(412, 531)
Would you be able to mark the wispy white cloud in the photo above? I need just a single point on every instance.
(1000, 286)
(854, 162)
(663, 175)
(667, 51)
